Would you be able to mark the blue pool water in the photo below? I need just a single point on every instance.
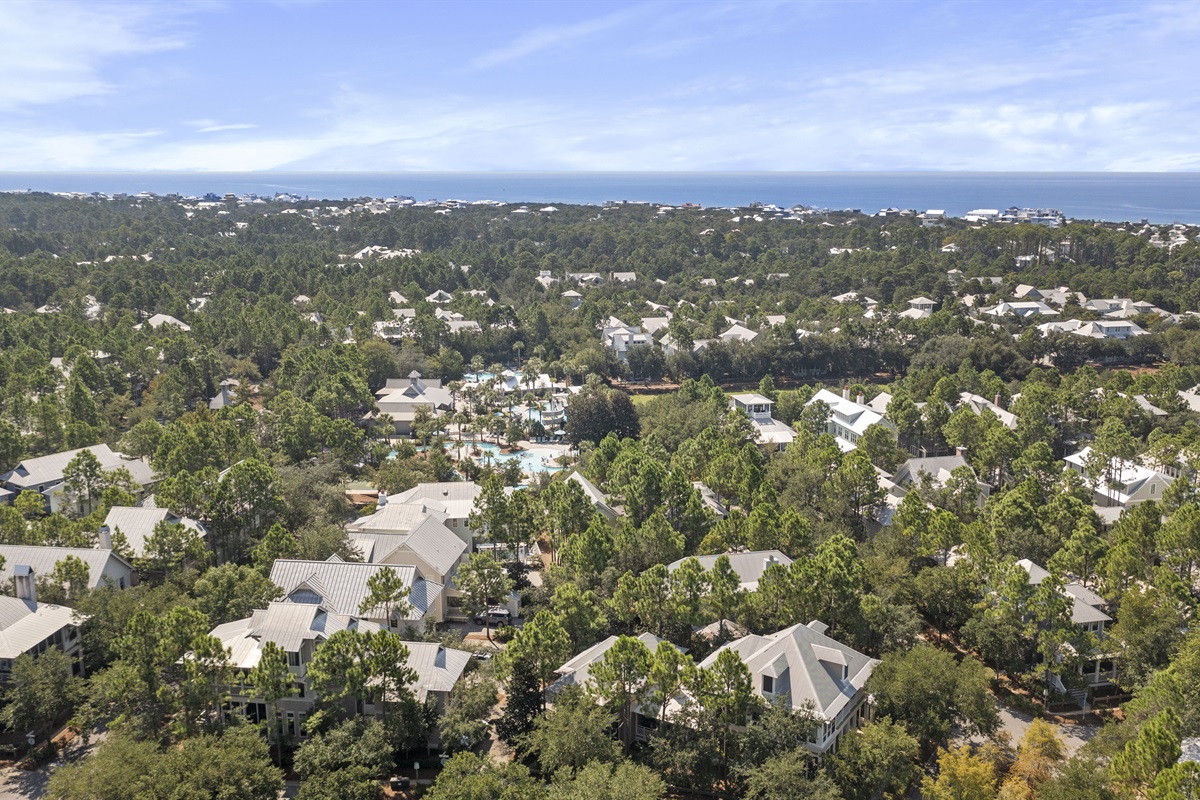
(533, 460)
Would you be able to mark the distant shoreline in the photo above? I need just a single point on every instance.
(1160, 198)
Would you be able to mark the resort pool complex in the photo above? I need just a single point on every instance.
(533, 460)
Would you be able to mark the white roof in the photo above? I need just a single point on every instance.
(807, 666)
(455, 499)
(438, 668)
(23, 626)
(45, 470)
(749, 566)
(739, 333)
(42, 560)
(137, 524)
(288, 625)
(577, 671)
(430, 540)
(340, 586)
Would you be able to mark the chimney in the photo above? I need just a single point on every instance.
(104, 533)
(769, 561)
(845, 392)
(859, 399)
(25, 583)
(960, 451)
(996, 400)
(382, 501)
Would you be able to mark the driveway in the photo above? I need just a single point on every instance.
(1015, 723)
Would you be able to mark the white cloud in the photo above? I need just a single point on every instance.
(52, 52)
(550, 37)
(233, 126)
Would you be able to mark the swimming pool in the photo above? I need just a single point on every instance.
(533, 460)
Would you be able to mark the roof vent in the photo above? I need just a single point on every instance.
(818, 626)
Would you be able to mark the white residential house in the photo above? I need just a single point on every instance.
(158, 320)
(1127, 483)
(848, 419)
(439, 297)
(749, 566)
(1022, 309)
(804, 667)
(922, 303)
(454, 499)
(769, 432)
(137, 524)
(30, 627)
(413, 535)
(573, 297)
(979, 404)
(401, 397)
(623, 277)
(341, 586)
(106, 569)
(44, 474)
(738, 333)
(1097, 329)
(621, 338)
(299, 629)
(1088, 613)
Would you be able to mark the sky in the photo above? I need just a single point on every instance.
(644, 86)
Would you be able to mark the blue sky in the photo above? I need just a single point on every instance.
(748, 85)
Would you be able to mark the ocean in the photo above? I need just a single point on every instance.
(1157, 197)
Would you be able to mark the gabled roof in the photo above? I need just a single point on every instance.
(748, 566)
(577, 671)
(49, 469)
(1086, 605)
(340, 586)
(24, 625)
(806, 665)
(599, 499)
(288, 625)
(454, 498)
(430, 540)
(438, 668)
(137, 524)
(42, 559)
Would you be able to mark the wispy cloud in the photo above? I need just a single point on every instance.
(53, 52)
(233, 126)
(551, 37)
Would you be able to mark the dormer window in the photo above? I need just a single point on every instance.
(293, 658)
(768, 684)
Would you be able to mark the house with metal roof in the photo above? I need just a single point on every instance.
(770, 433)
(401, 397)
(1127, 483)
(27, 626)
(804, 667)
(412, 535)
(137, 524)
(44, 474)
(105, 567)
(1089, 614)
(454, 499)
(848, 419)
(341, 586)
(748, 566)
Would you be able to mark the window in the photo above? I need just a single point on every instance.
(293, 659)
(768, 684)
(299, 689)
(121, 582)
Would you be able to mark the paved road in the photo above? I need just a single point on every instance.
(1015, 723)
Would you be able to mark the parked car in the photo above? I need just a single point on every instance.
(496, 615)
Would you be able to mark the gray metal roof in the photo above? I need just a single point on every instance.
(24, 625)
(288, 625)
(137, 524)
(49, 469)
(807, 665)
(748, 566)
(42, 559)
(341, 586)
(430, 540)
(438, 668)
